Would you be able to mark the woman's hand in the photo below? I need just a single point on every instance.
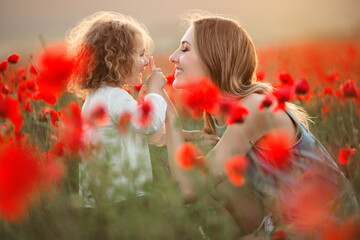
(203, 139)
(156, 81)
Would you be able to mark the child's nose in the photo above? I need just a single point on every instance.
(146, 61)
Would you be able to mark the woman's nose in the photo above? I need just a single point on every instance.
(173, 57)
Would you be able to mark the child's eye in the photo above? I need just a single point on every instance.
(184, 50)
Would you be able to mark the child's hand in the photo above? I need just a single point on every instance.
(156, 81)
(142, 92)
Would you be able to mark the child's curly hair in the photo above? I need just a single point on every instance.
(104, 45)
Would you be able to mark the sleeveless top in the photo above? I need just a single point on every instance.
(308, 153)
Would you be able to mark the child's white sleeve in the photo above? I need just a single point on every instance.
(120, 102)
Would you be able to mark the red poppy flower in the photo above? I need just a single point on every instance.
(201, 95)
(332, 77)
(302, 86)
(3, 66)
(10, 109)
(260, 76)
(325, 109)
(21, 73)
(58, 149)
(33, 70)
(137, 88)
(55, 69)
(5, 88)
(50, 113)
(340, 95)
(235, 168)
(14, 58)
(345, 154)
(23, 175)
(27, 106)
(71, 131)
(53, 172)
(283, 95)
(226, 104)
(347, 230)
(349, 89)
(286, 79)
(98, 115)
(124, 122)
(19, 180)
(22, 86)
(304, 216)
(170, 77)
(188, 156)
(145, 109)
(30, 84)
(278, 235)
(47, 97)
(266, 102)
(236, 114)
(276, 146)
(328, 91)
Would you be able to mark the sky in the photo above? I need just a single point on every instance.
(22, 22)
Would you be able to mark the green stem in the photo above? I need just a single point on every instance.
(353, 137)
(351, 117)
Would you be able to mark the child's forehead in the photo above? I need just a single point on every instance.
(139, 41)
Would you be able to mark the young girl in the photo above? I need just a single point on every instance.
(111, 48)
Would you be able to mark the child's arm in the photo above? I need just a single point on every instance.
(120, 104)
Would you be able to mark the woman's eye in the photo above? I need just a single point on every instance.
(184, 50)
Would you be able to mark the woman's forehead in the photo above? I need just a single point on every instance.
(188, 36)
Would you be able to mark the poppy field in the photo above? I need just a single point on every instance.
(42, 143)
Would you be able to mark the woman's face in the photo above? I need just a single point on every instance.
(140, 62)
(188, 66)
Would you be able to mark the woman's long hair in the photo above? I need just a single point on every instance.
(228, 55)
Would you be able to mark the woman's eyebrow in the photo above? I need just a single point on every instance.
(183, 42)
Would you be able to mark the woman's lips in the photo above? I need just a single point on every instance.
(178, 71)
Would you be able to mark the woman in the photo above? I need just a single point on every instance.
(219, 49)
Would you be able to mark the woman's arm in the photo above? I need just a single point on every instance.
(174, 139)
(235, 141)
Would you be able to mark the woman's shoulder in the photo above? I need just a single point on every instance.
(253, 100)
(269, 116)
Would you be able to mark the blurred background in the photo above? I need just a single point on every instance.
(267, 22)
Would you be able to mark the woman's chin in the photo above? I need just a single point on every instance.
(179, 83)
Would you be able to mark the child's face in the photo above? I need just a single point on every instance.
(139, 64)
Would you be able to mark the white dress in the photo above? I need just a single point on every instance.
(125, 156)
